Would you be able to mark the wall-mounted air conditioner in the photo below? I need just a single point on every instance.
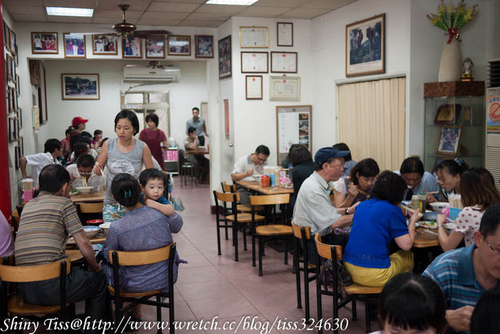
(165, 74)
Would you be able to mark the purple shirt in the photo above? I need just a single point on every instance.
(142, 229)
(6, 244)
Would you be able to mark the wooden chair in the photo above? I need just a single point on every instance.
(354, 291)
(139, 258)
(15, 305)
(267, 232)
(231, 188)
(229, 217)
(301, 264)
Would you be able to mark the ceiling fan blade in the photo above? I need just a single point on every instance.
(146, 33)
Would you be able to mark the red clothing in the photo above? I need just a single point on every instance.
(154, 139)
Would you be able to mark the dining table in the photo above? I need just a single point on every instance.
(94, 196)
(425, 238)
(273, 190)
(199, 151)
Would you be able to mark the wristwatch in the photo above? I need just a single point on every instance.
(347, 211)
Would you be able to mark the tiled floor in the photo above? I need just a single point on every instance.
(217, 286)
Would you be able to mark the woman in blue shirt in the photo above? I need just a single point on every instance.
(375, 224)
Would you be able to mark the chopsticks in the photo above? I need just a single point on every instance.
(433, 192)
(429, 231)
(410, 209)
(363, 192)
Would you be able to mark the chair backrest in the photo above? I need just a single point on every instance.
(297, 231)
(182, 158)
(91, 207)
(228, 188)
(332, 199)
(227, 197)
(139, 258)
(24, 274)
(270, 199)
(327, 251)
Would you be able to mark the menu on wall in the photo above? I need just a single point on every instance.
(294, 127)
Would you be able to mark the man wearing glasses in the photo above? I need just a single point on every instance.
(83, 169)
(465, 273)
(248, 165)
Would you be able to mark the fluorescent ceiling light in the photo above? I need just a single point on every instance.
(231, 2)
(66, 11)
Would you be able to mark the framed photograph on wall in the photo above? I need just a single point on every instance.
(12, 42)
(284, 33)
(44, 42)
(365, 47)
(254, 37)
(104, 45)
(449, 140)
(284, 62)
(80, 86)
(293, 126)
(179, 45)
(447, 114)
(132, 47)
(74, 45)
(155, 47)
(204, 45)
(225, 58)
(254, 62)
(253, 87)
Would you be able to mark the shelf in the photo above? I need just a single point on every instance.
(454, 88)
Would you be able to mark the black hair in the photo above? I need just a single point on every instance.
(195, 108)
(390, 187)
(485, 316)
(68, 131)
(97, 132)
(490, 220)
(454, 166)
(262, 149)
(366, 167)
(85, 160)
(153, 118)
(75, 138)
(125, 189)
(51, 145)
(191, 129)
(412, 165)
(131, 116)
(299, 155)
(86, 134)
(103, 140)
(86, 140)
(152, 174)
(343, 147)
(52, 178)
(80, 148)
(410, 301)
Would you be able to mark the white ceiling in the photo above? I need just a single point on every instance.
(191, 13)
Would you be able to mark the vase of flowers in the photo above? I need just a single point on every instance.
(451, 19)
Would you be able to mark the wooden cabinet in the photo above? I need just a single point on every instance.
(454, 122)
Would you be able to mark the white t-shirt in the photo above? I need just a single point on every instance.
(96, 181)
(37, 162)
(245, 163)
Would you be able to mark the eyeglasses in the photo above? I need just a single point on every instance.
(495, 250)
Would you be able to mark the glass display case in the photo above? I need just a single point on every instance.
(454, 122)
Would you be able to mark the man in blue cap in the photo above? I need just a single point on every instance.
(313, 207)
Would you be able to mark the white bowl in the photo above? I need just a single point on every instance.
(84, 190)
(105, 227)
(91, 231)
(438, 206)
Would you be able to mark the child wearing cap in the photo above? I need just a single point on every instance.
(78, 124)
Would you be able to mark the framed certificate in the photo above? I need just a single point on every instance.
(284, 62)
(284, 88)
(253, 87)
(254, 62)
(254, 37)
(285, 34)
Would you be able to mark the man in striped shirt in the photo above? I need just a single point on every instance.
(44, 226)
(465, 273)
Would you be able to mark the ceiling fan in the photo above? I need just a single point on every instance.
(125, 29)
